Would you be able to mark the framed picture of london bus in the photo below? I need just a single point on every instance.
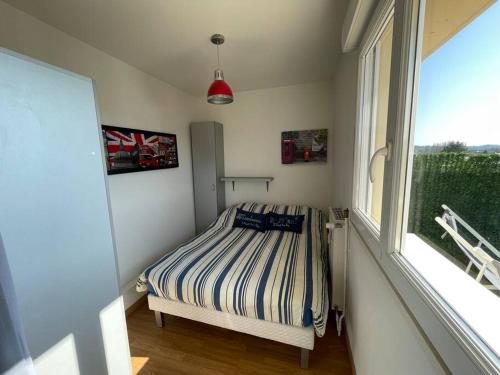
(133, 150)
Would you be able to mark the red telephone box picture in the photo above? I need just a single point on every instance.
(287, 151)
(304, 146)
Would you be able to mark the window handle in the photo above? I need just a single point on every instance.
(382, 151)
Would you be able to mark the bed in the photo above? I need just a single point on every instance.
(270, 284)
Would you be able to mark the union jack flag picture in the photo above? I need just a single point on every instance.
(132, 150)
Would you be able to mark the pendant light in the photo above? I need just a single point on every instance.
(219, 91)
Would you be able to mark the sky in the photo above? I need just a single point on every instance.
(459, 92)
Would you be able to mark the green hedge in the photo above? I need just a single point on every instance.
(467, 183)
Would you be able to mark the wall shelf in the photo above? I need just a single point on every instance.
(267, 180)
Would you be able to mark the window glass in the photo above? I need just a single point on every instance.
(384, 50)
(372, 126)
(453, 227)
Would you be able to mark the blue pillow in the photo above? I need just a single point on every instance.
(287, 223)
(249, 220)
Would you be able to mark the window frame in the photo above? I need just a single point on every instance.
(364, 136)
(456, 345)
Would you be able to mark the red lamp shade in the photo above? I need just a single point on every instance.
(219, 91)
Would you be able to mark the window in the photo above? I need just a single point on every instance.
(453, 208)
(427, 169)
(372, 120)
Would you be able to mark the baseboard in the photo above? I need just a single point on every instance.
(137, 304)
(349, 351)
(130, 295)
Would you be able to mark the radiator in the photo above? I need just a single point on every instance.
(337, 227)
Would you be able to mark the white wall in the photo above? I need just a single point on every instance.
(383, 337)
(252, 142)
(152, 211)
(344, 118)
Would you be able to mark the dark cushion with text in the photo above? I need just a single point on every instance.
(250, 220)
(287, 223)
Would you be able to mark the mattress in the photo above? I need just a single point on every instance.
(274, 275)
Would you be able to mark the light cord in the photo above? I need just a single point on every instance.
(218, 62)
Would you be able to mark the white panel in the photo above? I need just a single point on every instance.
(55, 218)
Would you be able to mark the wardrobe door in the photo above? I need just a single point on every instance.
(219, 160)
(204, 174)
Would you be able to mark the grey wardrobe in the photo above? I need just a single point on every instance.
(207, 148)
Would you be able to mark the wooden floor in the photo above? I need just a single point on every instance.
(187, 347)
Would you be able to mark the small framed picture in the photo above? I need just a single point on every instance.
(304, 146)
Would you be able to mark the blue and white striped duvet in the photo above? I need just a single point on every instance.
(276, 276)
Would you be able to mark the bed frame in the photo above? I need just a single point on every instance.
(302, 337)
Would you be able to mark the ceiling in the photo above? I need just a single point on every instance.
(269, 43)
(445, 18)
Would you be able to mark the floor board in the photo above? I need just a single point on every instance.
(188, 347)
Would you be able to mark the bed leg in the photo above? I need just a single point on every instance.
(159, 319)
(304, 358)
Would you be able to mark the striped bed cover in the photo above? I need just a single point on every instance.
(276, 276)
